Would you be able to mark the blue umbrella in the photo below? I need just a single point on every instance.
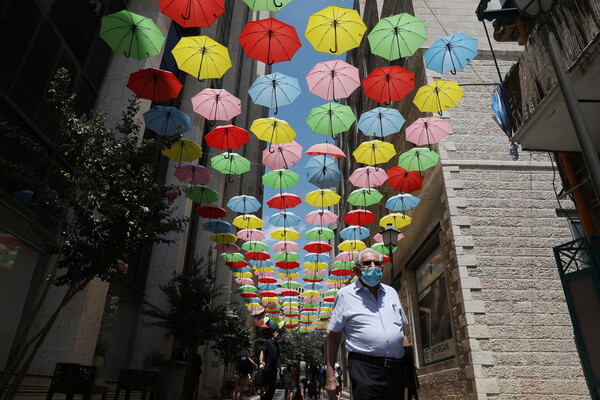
(501, 109)
(274, 90)
(313, 286)
(322, 172)
(217, 226)
(317, 257)
(243, 269)
(451, 53)
(354, 232)
(166, 121)
(268, 286)
(243, 204)
(284, 219)
(288, 299)
(380, 122)
(402, 202)
(260, 263)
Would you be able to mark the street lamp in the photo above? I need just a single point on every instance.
(538, 9)
(390, 239)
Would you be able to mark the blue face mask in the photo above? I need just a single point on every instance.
(372, 276)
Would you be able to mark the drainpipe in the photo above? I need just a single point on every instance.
(580, 202)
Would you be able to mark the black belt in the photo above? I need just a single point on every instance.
(381, 361)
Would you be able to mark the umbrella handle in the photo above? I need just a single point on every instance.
(184, 17)
(229, 178)
(277, 5)
(212, 123)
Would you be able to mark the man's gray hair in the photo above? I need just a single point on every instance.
(358, 257)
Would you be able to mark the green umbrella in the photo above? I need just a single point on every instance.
(418, 159)
(381, 248)
(248, 289)
(280, 179)
(255, 246)
(201, 194)
(266, 5)
(397, 36)
(290, 285)
(230, 163)
(331, 118)
(364, 197)
(343, 264)
(232, 257)
(131, 34)
(287, 257)
(319, 233)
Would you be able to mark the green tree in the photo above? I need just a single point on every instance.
(311, 344)
(101, 204)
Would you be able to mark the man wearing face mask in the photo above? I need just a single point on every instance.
(370, 316)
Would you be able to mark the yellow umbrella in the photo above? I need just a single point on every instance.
(315, 266)
(438, 96)
(273, 130)
(374, 152)
(242, 274)
(201, 57)
(183, 150)
(289, 275)
(352, 245)
(311, 293)
(335, 30)
(322, 198)
(223, 238)
(248, 221)
(285, 234)
(397, 220)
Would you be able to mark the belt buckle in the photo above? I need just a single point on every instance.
(388, 362)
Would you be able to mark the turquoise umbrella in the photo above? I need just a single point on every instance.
(274, 90)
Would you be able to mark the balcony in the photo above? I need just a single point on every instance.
(538, 110)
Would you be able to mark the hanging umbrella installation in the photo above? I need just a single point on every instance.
(397, 220)
(131, 34)
(284, 219)
(397, 36)
(319, 233)
(192, 13)
(227, 137)
(322, 198)
(438, 96)
(166, 121)
(210, 211)
(418, 159)
(284, 200)
(335, 30)
(230, 163)
(282, 156)
(154, 84)
(427, 131)
(364, 197)
(451, 53)
(202, 57)
(354, 232)
(380, 122)
(274, 90)
(322, 172)
(333, 80)
(368, 177)
(320, 217)
(183, 150)
(273, 130)
(387, 84)
(217, 226)
(216, 104)
(243, 204)
(374, 152)
(359, 217)
(269, 40)
(266, 5)
(248, 221)
(402, 202)
(404, 181)
(280, 179)
(193, 174)
(325, 149)
(201, 194)
(331, 118)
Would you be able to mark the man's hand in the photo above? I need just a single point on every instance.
(333, 388)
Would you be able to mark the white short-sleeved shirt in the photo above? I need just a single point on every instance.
(371, 326)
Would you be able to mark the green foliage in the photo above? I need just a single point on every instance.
(312, 345)
(231, 333)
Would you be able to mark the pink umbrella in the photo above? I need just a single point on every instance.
(282, 156)
(346, 256)
(285, 247)
(368, 177)
(244, 281)
(264, 273)
(334, 79)
(216, 104)
(227, 248)
(325, 149)
(426, 131)
(320, 217)
(379, 238)
(193, 174)
(251, 234)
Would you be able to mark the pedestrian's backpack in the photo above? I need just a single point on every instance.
(243, 363)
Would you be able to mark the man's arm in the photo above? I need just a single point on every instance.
(333, 344)
(261, 359)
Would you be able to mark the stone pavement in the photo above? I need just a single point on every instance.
(279, 396)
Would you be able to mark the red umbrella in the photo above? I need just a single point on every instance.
(287, 264)
(325, 149)
(237, 264)
(403, 180)
(342, 272)
(282, 201)
(227, 137)
(318, 247)
(154, 84)
(267, 280)
(269, 40)
(258, 255)
(359, 217)
(387, 84)
(210, 211)
(192, 13)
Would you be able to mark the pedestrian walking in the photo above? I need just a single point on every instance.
(289, 382)
(269, 364)
(302, 376)
(244, 366)
(370, 316)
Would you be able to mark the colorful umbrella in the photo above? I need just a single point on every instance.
(131, 34)
(282, 201)
(426, 131)
(227, 137)
(374, 152)
(346, 256)
(354, 232)
(403, 180)
(325, 149)
(378, 237)
(223, 238)
(364, 197)
(254, 246)
(382, 249)
(282, 156)
(232, 257)
(359, 217)
(387, 84)
(274, 90)
(320, 217)
(397, 36)
(227, 248)
(285, 234)
(284, 219)
(438, 96)
(368, 177)
(285, 246)
(380, 122)
(319, 233)
(202, 57)
(230, 163)
(335, 30)
(318, 247)
(287, 257)
(201, 194)
(183, 150)
(316, 257)
(402, 202)
(193, 174)
(333, 79)
(217, 226)
(322, 198)
(244, 204)
(331, 118)
(266, 5)
(451, 53)
(397, 220)
(273, 130)
(322, 172)
(269, 40)
(210, 211)
(154, 84)
(166, 121)
(253, 235)
(192, 13)
(216, 104)
(352, 245)
(418, 159)
(280, 179)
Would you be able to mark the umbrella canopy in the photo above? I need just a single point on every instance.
(378, 237)
(320, 217)
(368, 177)
(402, 202)
(316, 257)
(166, 121)
(193, 174)
(244, 204)
(227, 248)
(364, 197)
(201, 194)
(374, 152)
(269, 40)
(426, 131)
(183, 150)
(251, 235)
(325, 149)
(318, 247)
(335, 30)
(352, 245)
(331, 118)
(382, 249)
(380, 122)
(287, 257)
(418, 159)
(284, 219)
(210, 211)
(282, 156)
(359, 217)
(232, 257)
(266, 5)
(248, 221)
(223, 238)
(202, 57)
(285, 246)
(319, 233)
(131, 34)
(354, 232)
(192, 13)
(216, 104)
(346, 256)
(403, 180)
(331, 80)
(285, 234)
(154, 84)
(284, 200)
(397, 36)
(255, 246)
(227, 137)
(451, 53)
(217, 226)
(438, 96)
(280, 179)
(322, 172)
(387, 84)
(274, 90)
(273, 130)
(322, 198)
(230, 163)
(397, 220)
